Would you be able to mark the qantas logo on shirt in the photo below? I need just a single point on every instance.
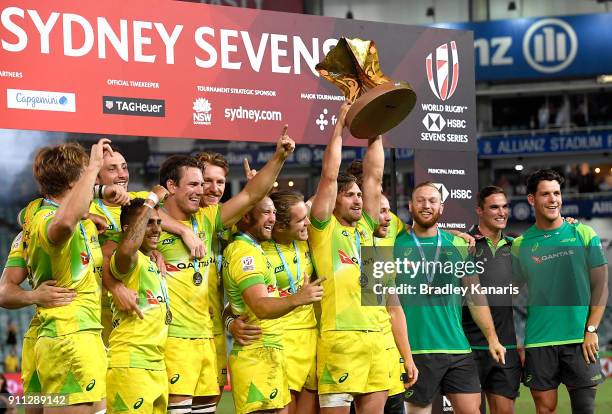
(345, 258)
(556, 255)
(151, 299)
(171, 268)
(271, 288)
(84, 258)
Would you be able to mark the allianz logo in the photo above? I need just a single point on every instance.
(549, 46)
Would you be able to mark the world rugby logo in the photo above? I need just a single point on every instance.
(445, 83)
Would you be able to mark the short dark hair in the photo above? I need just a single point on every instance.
(130, 211)
(345, 180)
(542, 175)
(489, 191)
(172, 169)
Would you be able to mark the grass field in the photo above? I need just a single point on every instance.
(524, 404)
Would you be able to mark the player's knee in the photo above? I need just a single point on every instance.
(582, 400)
(182, 407)
(335, 400)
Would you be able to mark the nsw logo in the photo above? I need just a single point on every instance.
(202, 112)
(443, 71)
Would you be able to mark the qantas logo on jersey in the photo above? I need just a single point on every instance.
(84, 258)
(271, 288)
(346, 259)
(151, 299)
(171, 268)
(552, 256)
(182, 266)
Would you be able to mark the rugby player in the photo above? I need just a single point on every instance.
(289, 254)
(258, 369)
(441, 351)
(351, 359)
(190, 351)
(115, 173)
(70, 355)
(499, 382)
(566, 272)
(215, 169)
(136, 379)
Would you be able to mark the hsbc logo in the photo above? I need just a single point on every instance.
(434, 122)
(443, 70)
(454, 193)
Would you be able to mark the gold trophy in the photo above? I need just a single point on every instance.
(379, 104)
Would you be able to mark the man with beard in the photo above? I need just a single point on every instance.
(259, 374)
(351, 357)
(289, 254)
(566, 273)
(441, 351)
(190, 352)
(500, 382)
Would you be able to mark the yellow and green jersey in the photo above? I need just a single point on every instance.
(135, 342)
(215, 278)
(112, 215)
(295, 255)
(16, 258)
(556, 266)
(17, 255)
(188, 279)
(434, 319)
(246, 265)
(396, 227)
(75, 264)
(336, 255)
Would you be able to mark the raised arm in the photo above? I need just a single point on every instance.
(325, 197)
(373, 169)
(260, 185)
(76, 204)
(126, 254)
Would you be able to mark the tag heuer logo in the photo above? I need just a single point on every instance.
(108, 104)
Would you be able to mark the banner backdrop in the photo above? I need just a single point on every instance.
(456, 176)
(174, 69)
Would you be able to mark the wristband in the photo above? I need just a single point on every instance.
(148, 205)
(154, 198)
(227, 323)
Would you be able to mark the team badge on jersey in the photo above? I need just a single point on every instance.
(248, 263)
